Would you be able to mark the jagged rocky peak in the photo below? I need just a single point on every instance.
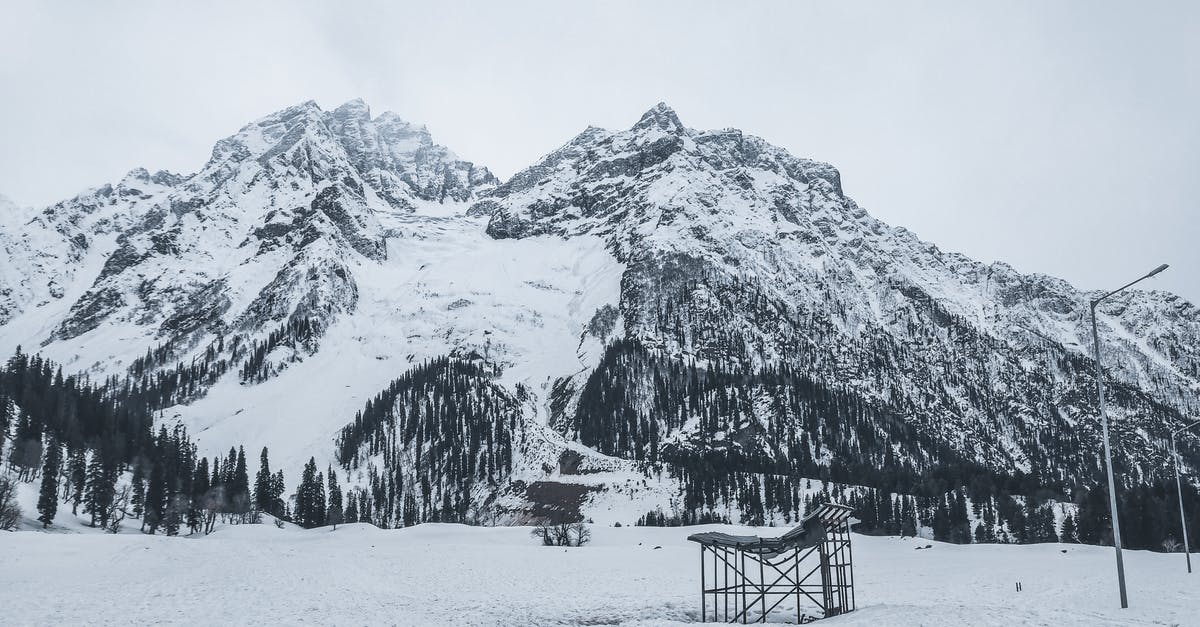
(398, 160)
(659, 173)
(661, 117)
(140, 182)
(401, 159)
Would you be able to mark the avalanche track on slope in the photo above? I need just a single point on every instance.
(445, 288)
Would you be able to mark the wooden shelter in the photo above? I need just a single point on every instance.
(744, 578)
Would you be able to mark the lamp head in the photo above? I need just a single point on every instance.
(1157, 270)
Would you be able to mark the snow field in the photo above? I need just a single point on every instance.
(442, 574)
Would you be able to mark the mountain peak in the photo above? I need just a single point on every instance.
(660, 116)
(306, 106)
(354, 108)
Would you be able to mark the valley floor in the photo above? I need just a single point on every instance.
(457, 575)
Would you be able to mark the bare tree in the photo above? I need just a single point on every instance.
(542, 532)
(116, 510)
(10, 512)
(562, 534)
(1171, 545)
(579, 534)
(214, 500)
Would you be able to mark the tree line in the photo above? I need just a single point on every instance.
(94, 448)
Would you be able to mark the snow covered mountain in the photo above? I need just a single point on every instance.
(699, 302)
(743, 257)
(264, 233)
(316, 257)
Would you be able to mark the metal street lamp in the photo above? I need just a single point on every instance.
(1182, 518)
(1112, 490)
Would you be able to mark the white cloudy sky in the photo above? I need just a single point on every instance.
(1061, 137)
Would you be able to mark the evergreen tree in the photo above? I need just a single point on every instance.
(200, 491)
(138, 498)
(1039, 524)
(908, 523)
(306, 514)
(262, 485)
(26, 454)
(239, 498)
(99, 490)
(334, 513)
(78, 478)
(941, 519)
(351, 513)
(1069, 533)
(278, 486)
(48, 497)
(6, 414)
(318, 507)
(156, 498)
(960, 522)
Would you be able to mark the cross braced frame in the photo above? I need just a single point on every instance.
(745, 578)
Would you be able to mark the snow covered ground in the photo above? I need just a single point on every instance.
(456, 575)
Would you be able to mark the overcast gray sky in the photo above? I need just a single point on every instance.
(1061, 137)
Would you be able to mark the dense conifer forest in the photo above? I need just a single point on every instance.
(95, 449)
(432, 442)
(724, 423)
(439, 443)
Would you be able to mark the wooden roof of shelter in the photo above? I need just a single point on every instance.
(809, 532)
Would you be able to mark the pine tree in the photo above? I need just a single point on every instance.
(1068, 529)
(908, 523)
(239, 498)
(941, 520)
(351, 513)
(278, 487)
(262, 486)
(6, 414)
(318, 508)
(138, 498)
(200, 491)
(99, 490)
(306, 497)
(48, 497)
(78, 478)
(960, 522)
(333, 515)
(156, 498)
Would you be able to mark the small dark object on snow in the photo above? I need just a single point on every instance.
(1064, 550)
(1018, 586)
(657, 548)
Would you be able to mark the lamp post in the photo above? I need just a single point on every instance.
(1112, 490)
(1179, 490)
